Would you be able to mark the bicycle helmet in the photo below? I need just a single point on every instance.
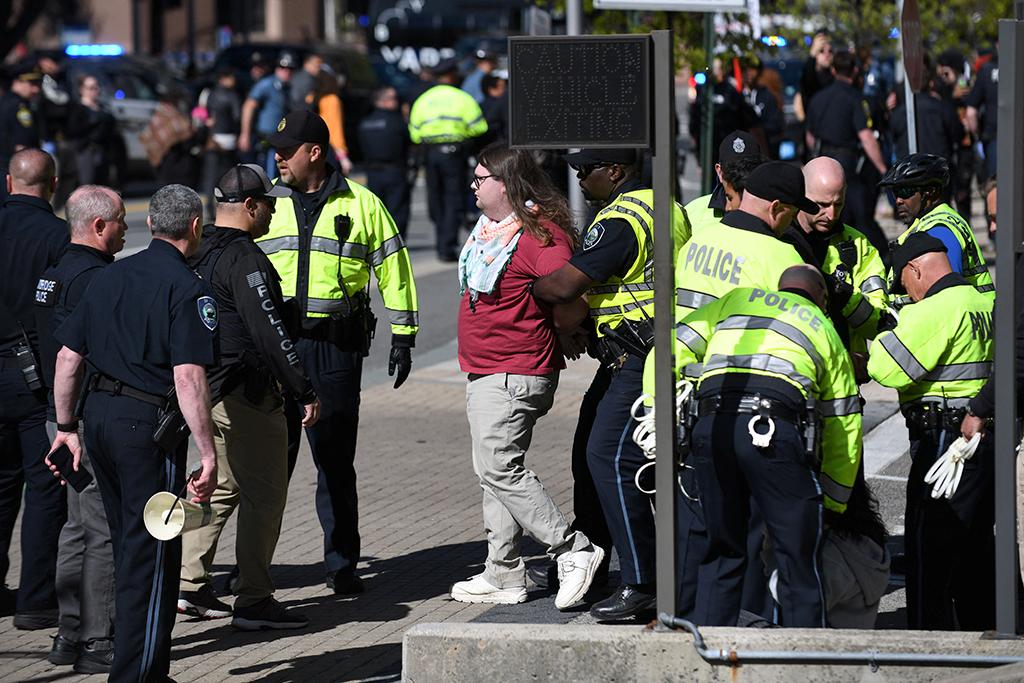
(917, 170)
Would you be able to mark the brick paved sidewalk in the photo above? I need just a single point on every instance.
(422, 531)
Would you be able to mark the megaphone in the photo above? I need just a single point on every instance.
(167, 516)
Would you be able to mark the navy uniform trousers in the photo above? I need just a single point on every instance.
(23, 445)
(731, 471)
(614, 459)
(129, 468)
(447, 186)
(950, 546)
(337, 379)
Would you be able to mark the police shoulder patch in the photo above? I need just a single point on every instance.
(24, 116)
(280, 125)
(208, 312)
(593, 236)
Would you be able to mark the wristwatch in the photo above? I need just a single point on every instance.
(68, 427)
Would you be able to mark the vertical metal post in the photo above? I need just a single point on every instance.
(664, 168)
(1010, 212)
(707, 119)
(574, 27)
(908, 94)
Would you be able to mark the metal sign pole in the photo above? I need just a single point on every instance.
(577, 204)
(707, 120)
(1010, 211)
(664, 167)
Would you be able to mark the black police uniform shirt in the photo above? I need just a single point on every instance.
(985, 97)
(610, 246)
(836, 116)
(33, 239)
(18, 126)
(143, 315)
(250, 306)
(59, 290)
(938, 127)
(384, 138)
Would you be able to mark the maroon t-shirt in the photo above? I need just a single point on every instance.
(509, 330)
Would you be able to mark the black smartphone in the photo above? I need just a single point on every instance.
(63, 458)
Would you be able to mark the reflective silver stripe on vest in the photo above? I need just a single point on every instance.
(691, 338)
(326, 306)
(986, 288)
(272, 246)
(328, 245)
(960, 371)
(693, 370)
(691, 299)
(859, 315)
(421, 124)
(759, 361)
(872, 284)
(837, 407)
(625, 308)
(408, 318)
(615, 289)
(638, 202)
(833, 489)
(750, 322)
(392, 245)
(977, 270)
(903, 357)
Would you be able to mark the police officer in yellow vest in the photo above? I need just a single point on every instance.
(615, 268)
(938, 357)
(324, 240)
(917, 182)
(773, 365)
(445, 120)
(738, 155)
(858, 297)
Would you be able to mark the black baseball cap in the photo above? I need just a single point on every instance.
(916, 244)
(585, 157)
(737, 145)
(300, 126)
(445, 66)
(247, 180)
(778, 180)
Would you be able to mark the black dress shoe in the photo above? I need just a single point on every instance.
(35, 620)
(345, 582)
(92, 661)
(64, 651)
(626, 603)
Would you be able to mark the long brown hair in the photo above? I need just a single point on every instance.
(525, 181)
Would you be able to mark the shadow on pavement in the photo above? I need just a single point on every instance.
(373, 663)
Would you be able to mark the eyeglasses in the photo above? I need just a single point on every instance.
(905, 192)
(478, 180)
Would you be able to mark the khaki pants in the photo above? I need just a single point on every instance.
(502, 410)
(252, 475)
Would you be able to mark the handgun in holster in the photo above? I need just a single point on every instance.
(812, 434)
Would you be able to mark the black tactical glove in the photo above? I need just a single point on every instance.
(839, 289)
(400, 360)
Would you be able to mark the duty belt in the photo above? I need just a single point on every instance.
(930, 416)
(748, 404)
(628, 338)
(118, 388)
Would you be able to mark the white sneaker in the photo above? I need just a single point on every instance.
(575, 574)
(479, 589)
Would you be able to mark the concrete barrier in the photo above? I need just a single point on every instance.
(463, 653)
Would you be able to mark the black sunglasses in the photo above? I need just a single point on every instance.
(584, 170)
(905, 192)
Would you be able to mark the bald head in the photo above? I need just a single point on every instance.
(32, 172)
(918, 276)
(825, 182)
(806, 279)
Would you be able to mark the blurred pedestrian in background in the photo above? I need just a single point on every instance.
(93, 132)
(474, 82)
(224, 109)
(328, 105)
(262, 111)
(384, 139)
(982, 111)
(816, 74)
(953, 88)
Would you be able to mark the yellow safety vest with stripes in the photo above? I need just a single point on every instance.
(698, 212)
(369, 239)
(445, 115)
(866, 274)
(941, 349)
(632, 297)
(786, 337)
(972, 265)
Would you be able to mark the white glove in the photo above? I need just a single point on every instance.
(946, 472)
